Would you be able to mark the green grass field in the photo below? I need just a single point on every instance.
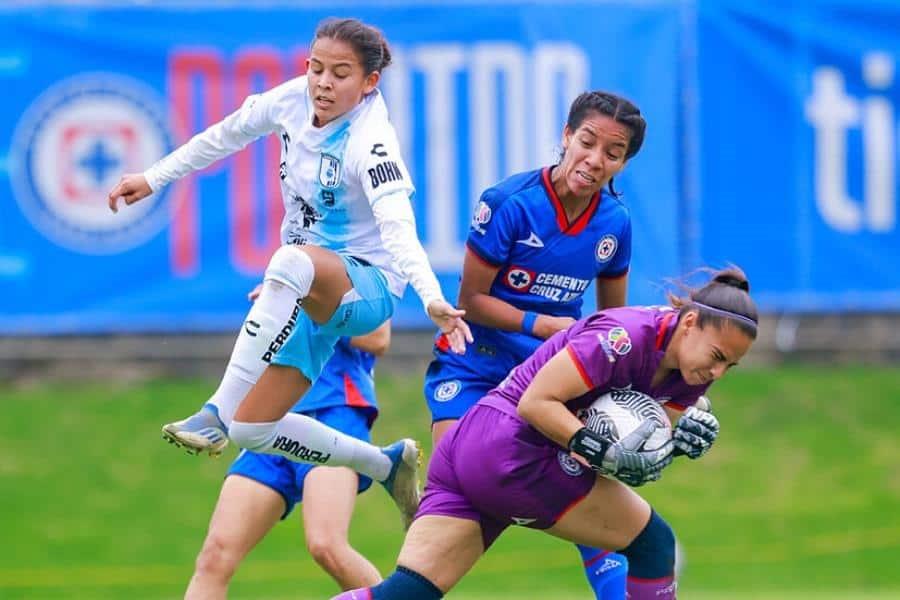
(799, 499)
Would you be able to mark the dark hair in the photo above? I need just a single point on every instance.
(725, 298)
(619, 109)
(368, 42)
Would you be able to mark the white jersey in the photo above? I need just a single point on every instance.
(331, 176)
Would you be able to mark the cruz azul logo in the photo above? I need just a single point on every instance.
(69, 149)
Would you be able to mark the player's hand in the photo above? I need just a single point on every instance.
(546, 325)
(623, 459)
(450, 322)
(254, 293)
(131, 188)
(695, 432)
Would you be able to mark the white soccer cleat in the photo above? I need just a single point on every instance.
(201, 432)
(403, 481)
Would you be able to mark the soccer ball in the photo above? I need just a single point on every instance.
(617, 413)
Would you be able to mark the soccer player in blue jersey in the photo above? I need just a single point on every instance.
(521, 455)
(537, 241)
(261, 489)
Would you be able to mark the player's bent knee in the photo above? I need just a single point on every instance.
(252, 436)
(215, 560)
(292, 267)
(652, 553)
(327, 550)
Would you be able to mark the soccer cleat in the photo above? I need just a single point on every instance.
(402, 482)
(201, 432)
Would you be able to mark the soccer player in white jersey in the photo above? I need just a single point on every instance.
(350, 246)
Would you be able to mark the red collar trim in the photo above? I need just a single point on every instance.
(663, 328)
(562, 221)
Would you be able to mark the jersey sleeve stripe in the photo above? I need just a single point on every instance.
(581, 370)
(613, 275)
(484, 259)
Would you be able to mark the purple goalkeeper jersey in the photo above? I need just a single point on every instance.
(618, 348)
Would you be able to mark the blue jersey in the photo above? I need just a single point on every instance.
(347, 380)
(546, 262)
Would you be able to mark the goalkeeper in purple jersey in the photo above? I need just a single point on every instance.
(537, 463)
(536, 242)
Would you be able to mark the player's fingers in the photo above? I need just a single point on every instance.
(457, 343)
(467, 333)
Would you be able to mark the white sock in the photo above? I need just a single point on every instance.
(303, 439)
(270, 321)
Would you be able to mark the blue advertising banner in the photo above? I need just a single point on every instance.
(476, 92)
(798, 147)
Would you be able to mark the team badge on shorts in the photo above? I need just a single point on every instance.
(329, 171)
(447, 390)
(606, 247)
(569, 465)
(69, 149)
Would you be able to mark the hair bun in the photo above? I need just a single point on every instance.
(734, 278)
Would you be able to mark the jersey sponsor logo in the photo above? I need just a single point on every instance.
(384, 172)
(329, 171)
(559, 288)
(519, 279)
(447, 390)
(532, 240)
(72, 144)
(569, 465)
(619, 340)
(481, 217)
(606, 247)
(522, 520)
(379, 151)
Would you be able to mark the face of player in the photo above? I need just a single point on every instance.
(337, 81)
(706, 353)
(594, 153)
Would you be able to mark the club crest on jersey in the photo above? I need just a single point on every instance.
(71, 145)
(447, 390)
(569, 465)
(329, 171)
(519, 279)
(481, 216)
(606, 247)
(619, 340)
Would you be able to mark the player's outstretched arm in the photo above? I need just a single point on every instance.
(397, 226)
(250, 122)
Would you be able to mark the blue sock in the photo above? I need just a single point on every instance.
(406, 584)
(606, 572)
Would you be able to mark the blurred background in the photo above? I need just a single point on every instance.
(771, 144)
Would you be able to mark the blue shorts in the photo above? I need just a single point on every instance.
(451, 390)
(365, 307)
(286, 476)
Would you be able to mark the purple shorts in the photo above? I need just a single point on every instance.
(493, 468)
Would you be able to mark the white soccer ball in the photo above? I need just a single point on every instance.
(617, 413)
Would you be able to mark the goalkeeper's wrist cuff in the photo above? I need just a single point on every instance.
(589, 445)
